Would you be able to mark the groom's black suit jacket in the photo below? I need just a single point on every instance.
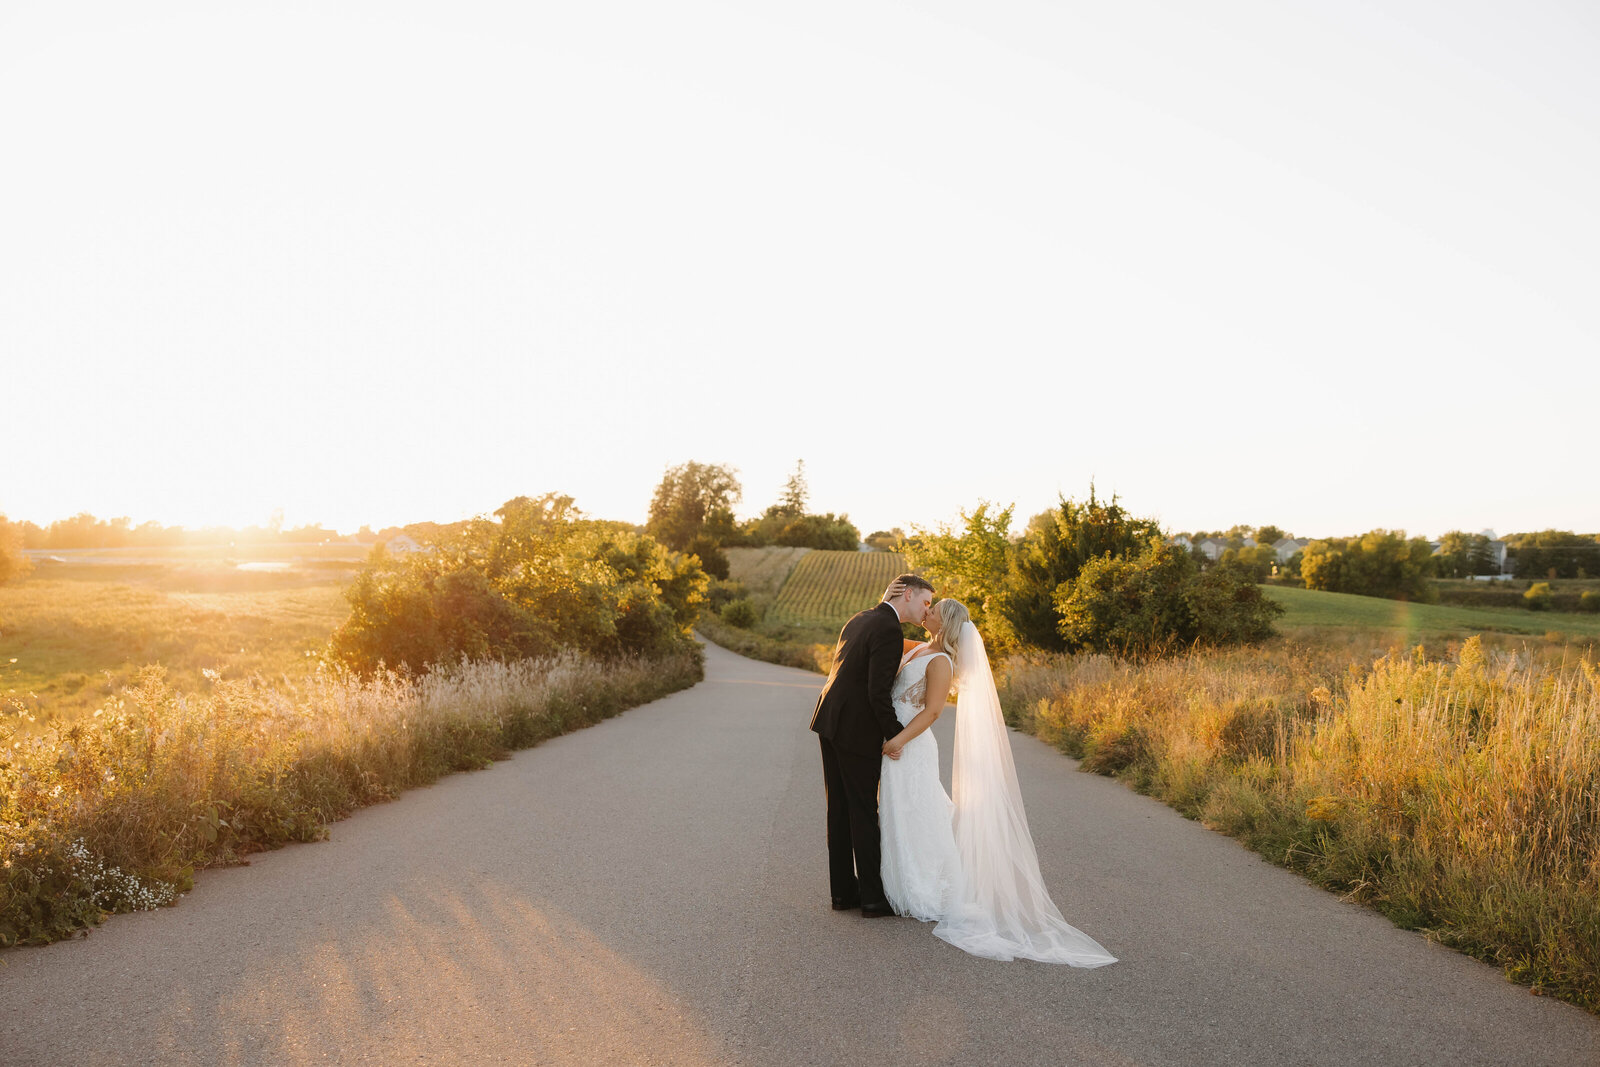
(855, 711)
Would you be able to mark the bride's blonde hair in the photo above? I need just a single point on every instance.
(952, 616)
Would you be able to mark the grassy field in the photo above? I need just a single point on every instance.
(1308, 607)
(72, 634)
(826, 588)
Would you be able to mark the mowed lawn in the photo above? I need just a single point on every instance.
(825, 588)
(72, 635)
(1309, 607)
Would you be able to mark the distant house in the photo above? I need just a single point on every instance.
(401, 543)
(1286, 547)
(1214, 547)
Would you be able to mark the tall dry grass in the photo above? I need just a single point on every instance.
(1458, 794)
(117, 811)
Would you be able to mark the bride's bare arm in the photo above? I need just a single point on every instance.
(937, 682)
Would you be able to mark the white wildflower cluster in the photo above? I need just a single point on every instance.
(114, 889)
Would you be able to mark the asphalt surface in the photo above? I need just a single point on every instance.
(654, 890)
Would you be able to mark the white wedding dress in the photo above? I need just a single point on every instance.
(915, 815)
(968, 864)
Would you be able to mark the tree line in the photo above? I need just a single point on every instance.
(692, 511)
(85, 530)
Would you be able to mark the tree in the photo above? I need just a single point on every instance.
(712, 559)
(820, 531)
(967, 562)
(1462, 555)
(1257, 560)
(886, 540)
(1378, 563)
(1554, 554)
(14, 564)
(1269, 535)
(1053, 550)
(692, 497)
(793, 501)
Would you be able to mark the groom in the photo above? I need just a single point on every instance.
(855, 717)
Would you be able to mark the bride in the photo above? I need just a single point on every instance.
(967, 864)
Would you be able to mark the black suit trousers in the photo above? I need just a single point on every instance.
(853, 850)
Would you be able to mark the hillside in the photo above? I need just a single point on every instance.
(825, 588)
(762, 570)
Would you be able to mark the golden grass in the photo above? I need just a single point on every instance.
(1458, 792)
(72, 635)
(115, 811)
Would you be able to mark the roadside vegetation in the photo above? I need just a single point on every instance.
(495, 636)
(115, 812)
(1457, 791)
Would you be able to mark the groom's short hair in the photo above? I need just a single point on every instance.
(915, 581)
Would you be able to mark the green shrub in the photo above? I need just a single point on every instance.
(712, 559)
(539, 581)
(1538, 596)
(1229, 607)
(1589, 601)
(721, 591)
(741, 613)
(1156, 600)
(1383, 563)
(808, 656)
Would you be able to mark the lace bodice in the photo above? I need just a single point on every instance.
(910, 692)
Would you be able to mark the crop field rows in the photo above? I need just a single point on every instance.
(826, 588)
(763, 570)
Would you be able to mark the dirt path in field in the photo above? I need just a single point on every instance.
(653, 890)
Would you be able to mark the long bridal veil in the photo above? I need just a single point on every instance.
(1002, 909)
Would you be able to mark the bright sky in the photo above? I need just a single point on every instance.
(1331, 266)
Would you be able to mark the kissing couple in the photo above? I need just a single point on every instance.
(966, 864)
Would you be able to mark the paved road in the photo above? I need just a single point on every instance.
(652, 890)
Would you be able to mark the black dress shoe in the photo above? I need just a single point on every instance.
(876, 911)
(845, 905)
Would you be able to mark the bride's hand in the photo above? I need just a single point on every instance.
(892, 750)
(896, 587)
